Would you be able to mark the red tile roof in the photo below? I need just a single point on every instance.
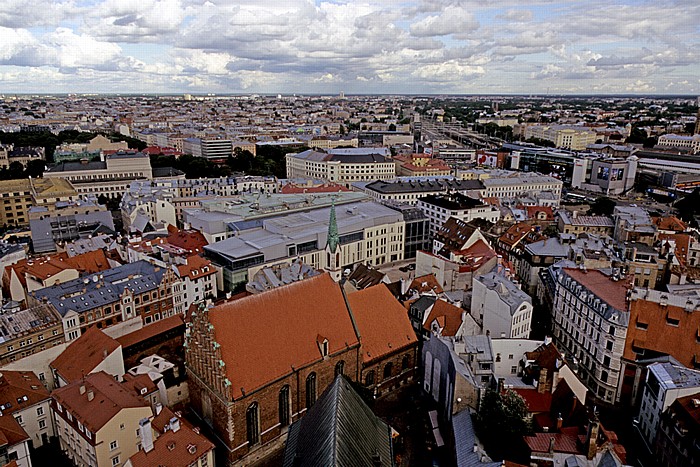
(565, 442)
(450, 314)
(11, 432)
(84, 354)
(613, 293)
(151, 330)
(194, 269)
(179, 448)
(109, 398)
(383, 323)
(426, 283)
(536, 402)
(191, 240)
(279, 327)
(20, 389)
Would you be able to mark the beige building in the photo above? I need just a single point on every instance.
(21, 336)
(342, 165)
(563, 136)
(97, 421)
(16, 201)
(110, 177)
(23, 396)
(692, 143)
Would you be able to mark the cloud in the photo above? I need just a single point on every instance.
(518, 16)
(452, 20)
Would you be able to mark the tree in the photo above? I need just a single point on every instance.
(637, 136)
(392, 127)
(502, 422)
(603, 206)
(35, 168)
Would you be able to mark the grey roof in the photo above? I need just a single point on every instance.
(339, 430)
(479, 345)
(97, 290)
(548, 247)
(675, 376)
(465, 439)
(16, 324)
(78, 166)
(507, 291)
(423, 185)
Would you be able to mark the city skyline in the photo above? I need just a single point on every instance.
(327, 47)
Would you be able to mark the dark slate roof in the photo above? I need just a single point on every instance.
(166, 172)
(73, 166)
(97, 290)
(453, 201)
(339, 430)
(359, 158)
(419, 185)
(464, 442)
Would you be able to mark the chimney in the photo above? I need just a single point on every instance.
(560, 422)
(146, 434)
(90, 395)
(551, 445)
(175, 424)
(542, 381)
(159, 407)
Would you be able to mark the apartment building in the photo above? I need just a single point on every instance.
(16, 201)
(678, 438)
(417, 165)
(136, 291)
(342, 165)
(439, 208)
(575, 223)
(576, 138)
(24, 397)
(543, 189)
(198, 278)
(109, 178)
(26, 332)
(97, 421)
(210, 148)
(691, 143)
(665, 383)
(590, 320)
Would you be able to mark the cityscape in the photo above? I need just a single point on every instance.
(339, 233)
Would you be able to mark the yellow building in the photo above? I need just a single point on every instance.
(576, 138)
(16, 201)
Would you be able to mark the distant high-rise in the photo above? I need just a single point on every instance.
(697, 120)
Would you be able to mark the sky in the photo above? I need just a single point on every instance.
(355, 47)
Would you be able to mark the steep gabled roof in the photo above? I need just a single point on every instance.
(339, 430)
(279, 327)
(84, 354)
(20, 389)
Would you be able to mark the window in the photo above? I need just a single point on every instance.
(19, 418)
(253, 423)
(115, 461)
(604, 376)
(339, 368)
(387, 370)
(40, 411)
(42, 424)
(609, 345)
(113, 445)
(284, 406)
(513, 370)
(369, 379)
(310, 390)
(405, 363)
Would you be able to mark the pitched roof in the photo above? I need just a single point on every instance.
(279, 327)
(151, 330)
(612, 293)
(11, 432)
(191, 240)
(195, 268)
(108, 399)
(20, 389)
(179, 448)
(383, 323)
(451, 317)
(84, 354)
(426, 283)
(340, 430)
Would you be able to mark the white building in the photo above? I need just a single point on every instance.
(691, 143)
(590, 319)
(503, 309)
(342, 165)
(198, 278)
(545, 190)
(439, 208)
(409, 190)
(23, 396)
(665, 383)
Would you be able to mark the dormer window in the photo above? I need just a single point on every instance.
(322, 343)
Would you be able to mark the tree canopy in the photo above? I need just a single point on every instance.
(603, 206)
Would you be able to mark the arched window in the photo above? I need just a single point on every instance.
(310, 390)
(405, 362)
(252, 417)
(284, 406)
(339, 368)
(369, 379)
(387, 371)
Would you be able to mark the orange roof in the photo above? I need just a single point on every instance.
(191, 240)
(426, 283)
(475, 256)
(84, 354)
(532, 212)
(536, 402)
(279, 327)
(382, 322)
(515, 233)
(670, 223)
(138, 383)
(20, 389)
(11, 432)
(179, 448)
(682, 242)
(450, 314)
(151, 330)
(45, 267)
(613, 293)
(109, 398)
(194, 268)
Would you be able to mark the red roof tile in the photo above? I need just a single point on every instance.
(450, 314)
(279, 327)
(84, 354)
(382, 322)
(613, 293)
(15, 386)
(179, 448)
(11, 432)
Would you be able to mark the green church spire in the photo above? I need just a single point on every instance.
(333, 238)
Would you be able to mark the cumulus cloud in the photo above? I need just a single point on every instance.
(452, 20)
